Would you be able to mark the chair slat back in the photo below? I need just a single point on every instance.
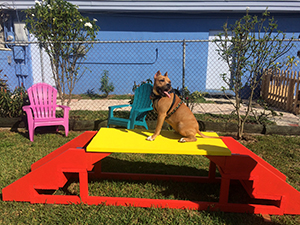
(42, 99)
(142, 97)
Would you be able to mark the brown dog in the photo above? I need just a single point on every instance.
(169, 107)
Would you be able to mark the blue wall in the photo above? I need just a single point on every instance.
(159, 26)
(15, 63)
(136, 62)
(7, 68)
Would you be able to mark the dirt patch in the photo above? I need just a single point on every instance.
(246, 139)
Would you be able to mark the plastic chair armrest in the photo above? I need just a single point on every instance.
(26, 107)
(118, 106)
(137, 111)
(111, 109)
(145, 109)
(66, 110)
(63, 106)
(28, 110)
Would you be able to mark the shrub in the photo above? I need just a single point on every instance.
(11, 102)
(193, 98)
(106, 87)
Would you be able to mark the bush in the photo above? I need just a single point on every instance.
(194, 98)
(106, 87)
(11, 102)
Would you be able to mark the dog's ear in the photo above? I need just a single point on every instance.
(157, 74)
(166, 74)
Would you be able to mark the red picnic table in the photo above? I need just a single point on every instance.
(81, 158)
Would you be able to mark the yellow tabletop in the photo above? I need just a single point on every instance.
(134, 141)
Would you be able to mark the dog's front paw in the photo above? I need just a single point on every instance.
(182, 140)
(150, 138)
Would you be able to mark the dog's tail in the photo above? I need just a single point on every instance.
(204, 136)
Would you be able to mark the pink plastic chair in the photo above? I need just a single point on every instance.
(42, 109)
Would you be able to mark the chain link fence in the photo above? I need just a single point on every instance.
(193, 65)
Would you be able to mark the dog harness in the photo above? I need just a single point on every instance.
(155, 97)
(175, 109)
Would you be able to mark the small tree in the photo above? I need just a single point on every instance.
(249, 47)
(106, 87)
(64, 34)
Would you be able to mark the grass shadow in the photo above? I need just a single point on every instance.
(156, 189)
(110, 164)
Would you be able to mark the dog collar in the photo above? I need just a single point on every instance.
(155, 97)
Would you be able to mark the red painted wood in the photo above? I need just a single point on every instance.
(260, 180)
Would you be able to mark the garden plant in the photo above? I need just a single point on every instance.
(11, 101)
(106, 87)
(249, 47)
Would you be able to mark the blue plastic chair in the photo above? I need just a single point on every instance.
(141, 105)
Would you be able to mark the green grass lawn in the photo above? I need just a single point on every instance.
(18, 153)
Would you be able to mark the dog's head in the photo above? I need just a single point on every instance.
(162, 84)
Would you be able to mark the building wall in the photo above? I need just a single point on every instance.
(167, 26)
(145, 26)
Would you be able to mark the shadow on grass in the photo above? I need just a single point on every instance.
(110, 164)
(155, 189)
(41, 130)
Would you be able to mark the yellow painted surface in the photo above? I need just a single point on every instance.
(134, 141)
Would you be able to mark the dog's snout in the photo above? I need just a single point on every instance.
(168, 85)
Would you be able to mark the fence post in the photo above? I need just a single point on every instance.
(297, 100)
(41, 61)
(266, 84)
(183, 68)
(291, 90)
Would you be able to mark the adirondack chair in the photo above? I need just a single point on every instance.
(42, 109)
(142, 104)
